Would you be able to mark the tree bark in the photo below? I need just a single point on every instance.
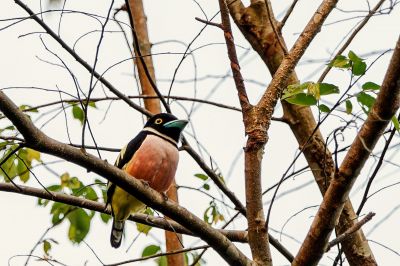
(255, 24)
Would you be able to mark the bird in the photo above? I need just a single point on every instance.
(152, 156)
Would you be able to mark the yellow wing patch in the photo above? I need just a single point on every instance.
(124, 204)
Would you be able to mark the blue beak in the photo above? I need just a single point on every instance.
(180, 124)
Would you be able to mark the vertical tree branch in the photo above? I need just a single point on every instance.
(386, 105)
(140, 21)
(138, 51)
(173, 240)
(258, 235)
(257, 120)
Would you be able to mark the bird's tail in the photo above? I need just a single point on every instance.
(116, 233)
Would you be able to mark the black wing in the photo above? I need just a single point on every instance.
(124, 157)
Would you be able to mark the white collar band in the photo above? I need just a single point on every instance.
(152, 130)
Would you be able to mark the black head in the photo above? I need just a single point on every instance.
(166, 124)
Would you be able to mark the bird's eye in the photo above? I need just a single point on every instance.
(158, 121)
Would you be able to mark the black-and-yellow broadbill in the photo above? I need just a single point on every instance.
(151, 156)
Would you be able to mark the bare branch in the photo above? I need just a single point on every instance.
(287, 15)
(159, 222)
(218, 25)
(235, 67)
(258, 236)
(387, 103)
(173, 252)
(350, 231)
(80, 60)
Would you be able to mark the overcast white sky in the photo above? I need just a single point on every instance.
(22, 222)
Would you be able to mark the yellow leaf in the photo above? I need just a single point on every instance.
(32, 155)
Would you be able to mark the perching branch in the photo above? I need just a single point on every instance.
(39, 141)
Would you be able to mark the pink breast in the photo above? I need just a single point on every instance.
(155, 162)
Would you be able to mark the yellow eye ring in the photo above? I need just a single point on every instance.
(158, 121)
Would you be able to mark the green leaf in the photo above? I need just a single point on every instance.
(149, 211)
(59, 210)
(78, 113)
(32, 155)
(323, 108)
(22, 171)
(396, 123)
(340, 61)
(359, 68)
(3, 145)
(349, 107)
(206, 186)
(24, 107)
(206, 218)
(370, 86)
(79, 225)
(105, 217)
(366, 101)
(201, 176)
(326, 89)
(7, 128)
(162, 261)
(74, 184)
(294, 89)
(302, 99)
(90, 194)
(92, 104)
(212, 215)
(46, 247)
(54, 188)
(313, 89)
(150, 250)
(9, 166)
(43, 202)
(65, 179)
(143, 228)
(353, 57)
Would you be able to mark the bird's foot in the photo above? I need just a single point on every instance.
(164, 196)
(145, 183)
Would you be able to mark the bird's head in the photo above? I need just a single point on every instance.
(166, 124)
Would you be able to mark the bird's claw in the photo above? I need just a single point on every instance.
(145, 183)
(164, 196)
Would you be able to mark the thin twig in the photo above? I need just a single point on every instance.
(158, 255)
(80, 60)
(351, 38)
(350, 231)
(218, 25)
(287, 15)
